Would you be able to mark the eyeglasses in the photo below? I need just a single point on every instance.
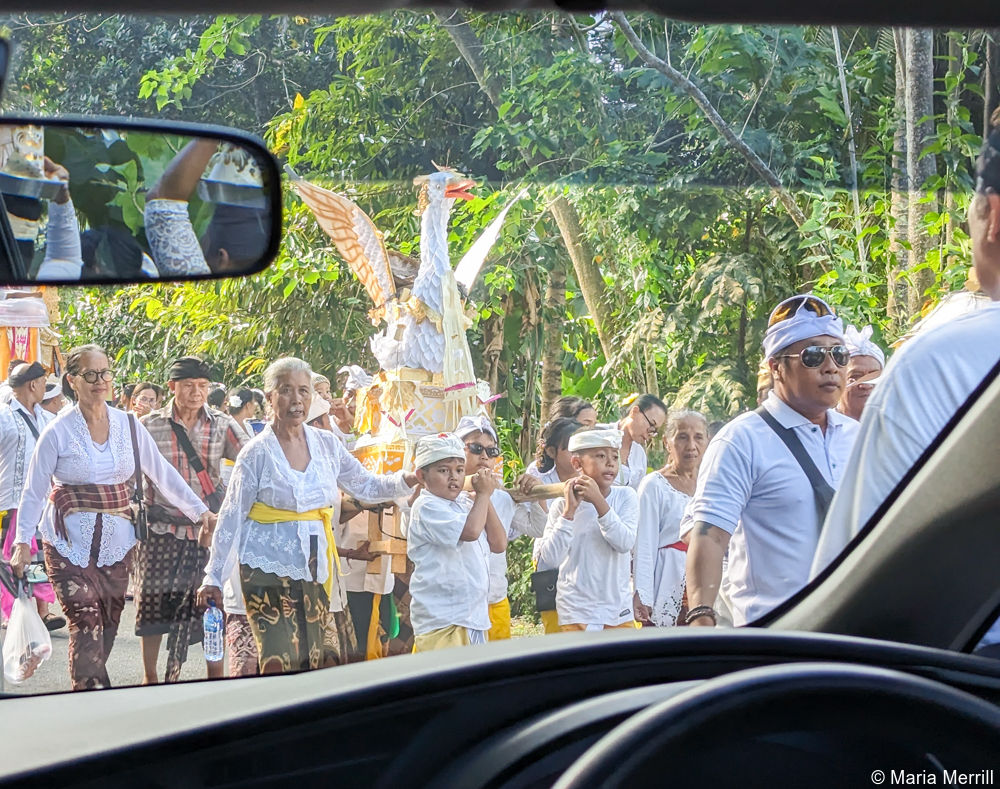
(654, 429)
(789, 307)
(478, 449)
(815, 355)
(93, 376)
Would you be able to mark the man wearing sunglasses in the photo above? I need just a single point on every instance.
(481, 452)
(768, 476)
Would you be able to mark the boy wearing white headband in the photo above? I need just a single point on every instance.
(589, 536)
(481, 453)
(449, 541)
(768, 476)
(867, 362)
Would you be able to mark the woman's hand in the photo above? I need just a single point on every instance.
(21, 559)
(207, 523)
(206, 593)
(643, 613)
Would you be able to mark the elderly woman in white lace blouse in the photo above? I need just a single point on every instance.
(236, 237)
(277, 524)
(78, 491)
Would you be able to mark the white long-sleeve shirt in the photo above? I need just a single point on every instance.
(538, 511)
(66, 454)
(594, 557)
(262, 473)
(514, 518)
(661, 508)
(17, 442)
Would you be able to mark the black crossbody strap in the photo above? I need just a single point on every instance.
(212, 497)
(28, 422)
(138, 464)
(822, 490)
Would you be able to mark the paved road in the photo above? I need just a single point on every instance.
(124, 666)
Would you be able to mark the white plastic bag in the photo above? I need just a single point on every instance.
(27, 644)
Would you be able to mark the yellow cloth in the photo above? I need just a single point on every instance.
(373, 649)
(550, 621)
(446, 637)
(499, 621)
(265, 513)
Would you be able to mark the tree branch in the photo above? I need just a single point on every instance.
(699, 98)
(588, 272)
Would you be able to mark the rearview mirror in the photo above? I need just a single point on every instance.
(105, 201)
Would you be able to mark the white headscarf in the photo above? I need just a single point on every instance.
(443, 446)
(860, 344)
(801, 326)
(595, 439)
(357, 378)
(475, 424)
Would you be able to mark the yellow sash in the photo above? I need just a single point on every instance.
(265, 513)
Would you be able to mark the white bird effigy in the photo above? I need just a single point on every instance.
(427, 381)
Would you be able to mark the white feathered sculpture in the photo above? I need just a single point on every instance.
(426, 324)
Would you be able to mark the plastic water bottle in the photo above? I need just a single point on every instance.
(213, 643)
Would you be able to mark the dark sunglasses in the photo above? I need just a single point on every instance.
(815, 355)
(478, 449)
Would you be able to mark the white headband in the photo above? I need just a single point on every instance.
(443, 446)
(801, 326)
(475, 424)
(860, 344)
(357, 378)
(51, 392)
(595, 439)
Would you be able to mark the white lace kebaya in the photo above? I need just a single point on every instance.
(66, 455)
(262, 473)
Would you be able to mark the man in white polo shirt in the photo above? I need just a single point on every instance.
(923, 386)
(768, 476)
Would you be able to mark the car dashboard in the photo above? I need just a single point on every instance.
(698, 706)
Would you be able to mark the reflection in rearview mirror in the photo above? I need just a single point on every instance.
(118, 202)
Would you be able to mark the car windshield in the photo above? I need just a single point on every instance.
(578, 322)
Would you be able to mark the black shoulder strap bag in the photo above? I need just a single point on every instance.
(138, 506)
(212, 496)
(28, 422)
(821, 488)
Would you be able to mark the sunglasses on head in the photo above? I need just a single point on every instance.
(815, 355)
(788, 308)
(478, 449)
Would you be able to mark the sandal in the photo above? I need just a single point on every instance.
(54, 622)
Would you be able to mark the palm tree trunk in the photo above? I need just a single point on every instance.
(553, 312)
(896, 303)
(919, 130)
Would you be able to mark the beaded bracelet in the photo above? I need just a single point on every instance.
(700, 611)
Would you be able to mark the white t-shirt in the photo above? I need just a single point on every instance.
(924, 384)
(538, 511)
(451, 577)
(594, 557)
(751, 486)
